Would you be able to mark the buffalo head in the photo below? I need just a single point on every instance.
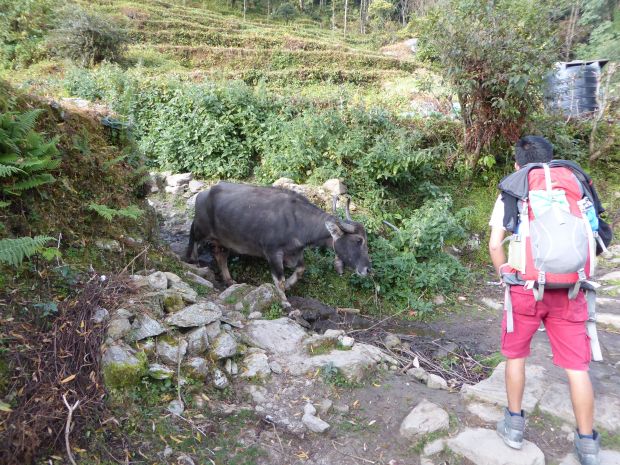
(350, 243)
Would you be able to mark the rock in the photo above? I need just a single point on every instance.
(261, 298)
(436, 382)
(109, 245)
(610, 319)
(196, 315)
(234, 319)
(167, 452)
(445, 349)
(607, 457)
(234, 293)
(185, 460)
(255, 365)
(309, 409)
(486, 412)
(173, 303)
(198, 366)
(434, 447)
(172, 278)
(493, 389)
(258, 393)
(158, 371)
(280, 182)
(191, 202)
(324, 406)
(120, 354)
(346, 342)
(391, 341)
(314, 424)
(220, 381)
(613, 276)
(224, 346)
(335, 187)
(341, 408)
(100, 315)
(281, 336)
(231, 367)
(145, 326)
(213, 329)
(195, 186)
(158, 280)
(199, 280)
(439, 300)
(183, 289)
(492, 304)
(484, 446)
(118, 328)
(181, 179)
(197, 341)
(171, 353)
(255, 316)
(425, 418)
(275, 367)
(176, 407)
(556, 401)
(418, 373)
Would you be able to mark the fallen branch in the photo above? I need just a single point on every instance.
(71, 409)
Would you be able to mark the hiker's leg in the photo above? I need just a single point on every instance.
(582, 396)
(515, 383)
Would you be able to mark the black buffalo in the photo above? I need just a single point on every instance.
(276, 224)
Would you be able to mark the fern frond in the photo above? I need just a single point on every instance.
(31, 182)
(8, 170)
(8, 158)
(4, 204)
(102, 210)
(109, 214)
(13, 251)
(26, 121)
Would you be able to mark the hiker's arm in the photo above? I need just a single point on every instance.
(498, 257)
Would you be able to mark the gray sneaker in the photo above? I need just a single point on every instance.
(587, 449)
(511, 429)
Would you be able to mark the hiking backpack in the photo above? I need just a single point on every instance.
(554, 245)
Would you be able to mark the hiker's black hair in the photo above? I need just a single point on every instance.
(533, 149)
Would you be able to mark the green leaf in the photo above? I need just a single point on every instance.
(13, 251)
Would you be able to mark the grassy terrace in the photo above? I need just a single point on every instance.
(216, 45)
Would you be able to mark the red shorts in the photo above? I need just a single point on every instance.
(564, 321)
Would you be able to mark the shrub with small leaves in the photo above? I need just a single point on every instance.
(89, 39)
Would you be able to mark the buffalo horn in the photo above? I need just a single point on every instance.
(347, 212)
(334, 204)
(346, 227)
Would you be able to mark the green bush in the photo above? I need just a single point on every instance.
(88, 38)
(411, 267)
(23, 26)
(285, 12)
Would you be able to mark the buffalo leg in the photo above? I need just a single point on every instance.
(297, 274)
(221, 257)
(276, 263)
(191, 252)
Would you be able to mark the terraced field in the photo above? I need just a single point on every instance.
(205, 43)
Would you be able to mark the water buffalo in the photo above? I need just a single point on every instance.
(276, 224)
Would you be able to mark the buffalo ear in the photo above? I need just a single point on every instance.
(334, 229)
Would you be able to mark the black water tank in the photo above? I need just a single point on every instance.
(573, 87)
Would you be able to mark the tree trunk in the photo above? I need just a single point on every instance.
(268, 8)
(245, 7)
(302, 5)
(346, 8)
(570, 33)
(333, 14)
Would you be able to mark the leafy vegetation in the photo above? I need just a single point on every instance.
(13, 251)
(88, 38)
(109, 214)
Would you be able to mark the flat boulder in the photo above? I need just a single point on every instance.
(281, 336)
(493, 389)
(196, 315)
(260, 299)
(607, 457)
(145, 326)
(224, 346)
(255, 365)
(484, 446)
(425, 418)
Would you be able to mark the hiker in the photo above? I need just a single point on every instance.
(543, 283)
